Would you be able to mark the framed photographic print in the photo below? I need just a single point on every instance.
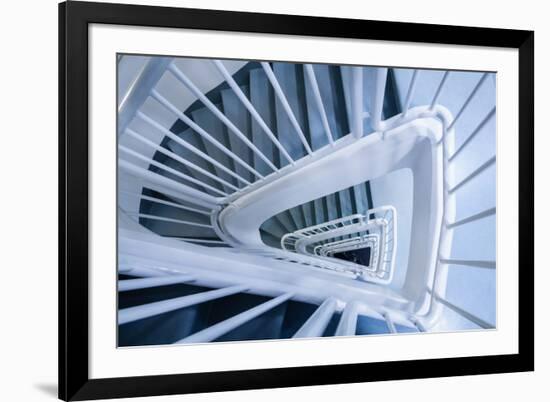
(256, 200)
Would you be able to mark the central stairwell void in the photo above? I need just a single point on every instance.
(275, 200)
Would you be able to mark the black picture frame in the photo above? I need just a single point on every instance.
(74, 19)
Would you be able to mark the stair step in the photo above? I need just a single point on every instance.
(239, 116)
(270, 239)
(295, 316)
(286, 220)
(213, 126)
(292, 86)
(297, 215)
(370, 326)
(291, 80)
(344, 203)
(194, 140)
(164, 328)
(331, 205)
(332, 325)
(320, 212)
(171, 163)
(275, 228)
(266, 326)
(309, 214)
(359, 199)
(332, 94)
(263, 99)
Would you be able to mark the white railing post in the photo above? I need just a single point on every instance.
(466, 314)
(251, 109)
(317, 323)
(164, 202)
(184, 192)
(204, 99)
(469, 99)
(168, 169)
(190, 147)
(286, 106)
(222, 328)
(389, 323)
(410, 93)
(377, 98)
(439, 89)
(472, 218)
(473, 175)
(145, 283)
(200, 131)
(479, 127)
(197, 240)
(165, 219)
(347, 325)
(184, 161)
(357, 101)
(135, 313)
(470, 263)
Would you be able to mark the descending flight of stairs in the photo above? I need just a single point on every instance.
(255, 85)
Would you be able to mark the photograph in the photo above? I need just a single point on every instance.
(266, 200)
(243, 201)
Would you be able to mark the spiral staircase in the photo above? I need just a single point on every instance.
(279, 200)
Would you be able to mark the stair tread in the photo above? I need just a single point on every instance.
(213, 126)
(262, 97)
(192, 139)
(239, 116)
(289, 138)
(332, 94)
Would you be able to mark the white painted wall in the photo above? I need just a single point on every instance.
(29, 240)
